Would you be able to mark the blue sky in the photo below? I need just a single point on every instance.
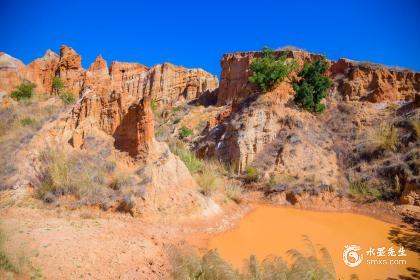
(197, 33)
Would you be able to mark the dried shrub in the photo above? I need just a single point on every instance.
(385, 137)
(207, 180)
(234, 192)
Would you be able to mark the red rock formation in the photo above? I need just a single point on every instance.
(70, 70)
(12, 72)
(135, 135)
(126, 77)
(42, 70)
(235, 73)
(170, 84)
(375, 83)
(359, 81)
(97, 77)
(166, 83)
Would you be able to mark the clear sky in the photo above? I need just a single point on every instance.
(197, 33)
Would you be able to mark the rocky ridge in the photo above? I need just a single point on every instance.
(353, 80)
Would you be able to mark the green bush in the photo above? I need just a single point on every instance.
(251, 174)
(361, 191)
(24, 91)
(184, 132)
(269, 70)
(57, 84)
(67, 97)
(312, 86)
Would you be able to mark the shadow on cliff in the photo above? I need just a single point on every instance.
(408, 236)
(125, 134)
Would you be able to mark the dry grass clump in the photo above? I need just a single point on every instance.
(234, 193)
(415, 124)
(207, 180)
(315, 264)
(88, 176)
(69, 174)
(385, 137)
(18, 124)
(5, 261)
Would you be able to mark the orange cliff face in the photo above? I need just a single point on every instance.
(357, 80)
(166, 83)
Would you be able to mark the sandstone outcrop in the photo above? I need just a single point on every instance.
(70, 70)
(358, 81)
(42, 70)
(275, 139)
(375, 83)
(12, 72)
(166, 83)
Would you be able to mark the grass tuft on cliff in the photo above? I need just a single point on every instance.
(363, 192)
(190, 160)
(269, 70)
(385, 137)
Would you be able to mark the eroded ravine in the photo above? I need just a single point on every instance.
(272, 230)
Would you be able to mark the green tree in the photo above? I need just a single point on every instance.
(312, 86)
(24, 91)
(269, 70)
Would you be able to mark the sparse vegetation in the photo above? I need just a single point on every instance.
(207, 180)
(57, 84)
(184, 132)
(66, 174)
(361, 191)
(234, 192)
(251, 174)
(154, 105)
(316, 264)
(269, 70)
(312, 86)
(67, 97)
(415, 124)
(17, 126)
(385, 137)
(5, 261)
(24, 91)
(193, 163)
(28, 121)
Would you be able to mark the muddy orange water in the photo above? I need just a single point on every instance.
(274, 230)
